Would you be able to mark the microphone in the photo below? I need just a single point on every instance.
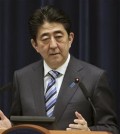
(87, 96)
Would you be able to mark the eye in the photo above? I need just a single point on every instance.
(45, 39)
(58, 37)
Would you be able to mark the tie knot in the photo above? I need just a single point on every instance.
(53, 74)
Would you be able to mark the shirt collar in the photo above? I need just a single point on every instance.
(61, 69)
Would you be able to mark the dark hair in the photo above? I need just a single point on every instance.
(49, 14)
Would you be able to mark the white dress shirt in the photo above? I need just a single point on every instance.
(61, 70)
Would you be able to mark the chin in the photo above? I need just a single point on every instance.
(55, 61)
(55, 64)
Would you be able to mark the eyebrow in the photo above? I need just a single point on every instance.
(59, 31)
(55, 32)
(44, 34)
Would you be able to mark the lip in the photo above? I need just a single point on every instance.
(54, 53)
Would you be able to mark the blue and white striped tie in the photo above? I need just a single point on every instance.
(51, 93)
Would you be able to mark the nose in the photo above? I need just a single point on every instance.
(53, 43)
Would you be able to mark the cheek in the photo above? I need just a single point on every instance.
(63, 47)
(67, 46)
(42, 49)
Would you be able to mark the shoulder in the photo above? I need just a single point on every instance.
(30, 67)
(91, 76)
(85, 66)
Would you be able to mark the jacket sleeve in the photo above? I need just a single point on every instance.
(16, 103)
(104, 102)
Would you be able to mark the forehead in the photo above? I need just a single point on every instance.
(51, 28)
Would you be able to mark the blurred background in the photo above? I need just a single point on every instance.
(96, 24)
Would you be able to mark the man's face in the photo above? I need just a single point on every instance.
(53, 43)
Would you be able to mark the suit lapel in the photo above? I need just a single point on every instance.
(68, 87)
(38, 88)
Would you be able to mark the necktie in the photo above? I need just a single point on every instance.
(51, 93)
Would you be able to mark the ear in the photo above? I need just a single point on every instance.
(71, 38)
(34, 44)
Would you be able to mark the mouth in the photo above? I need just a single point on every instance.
(54, 53)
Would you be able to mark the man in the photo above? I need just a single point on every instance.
(52, 38)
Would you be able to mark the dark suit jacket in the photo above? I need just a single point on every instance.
(29, 96)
